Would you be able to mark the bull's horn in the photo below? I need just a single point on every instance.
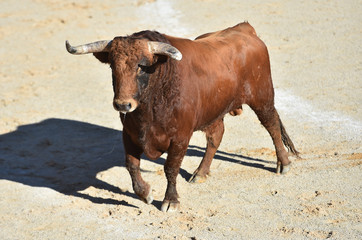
(164, 49)
(100, 46)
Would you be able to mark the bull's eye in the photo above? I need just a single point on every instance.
(143, 75)
(140, 70)
(145, 69)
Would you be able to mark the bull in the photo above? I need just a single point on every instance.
(165, 88)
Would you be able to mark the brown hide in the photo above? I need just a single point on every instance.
(218, 73)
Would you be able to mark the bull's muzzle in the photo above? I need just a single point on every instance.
(125, 106)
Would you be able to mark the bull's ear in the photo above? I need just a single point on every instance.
(103, 57)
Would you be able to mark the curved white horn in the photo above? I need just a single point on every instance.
(100, 46)
(164, 49)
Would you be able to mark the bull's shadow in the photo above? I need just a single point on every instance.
(64, 155)
(232, 158)
(67, 155)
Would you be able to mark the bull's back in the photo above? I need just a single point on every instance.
(213, 71)
(241, 28)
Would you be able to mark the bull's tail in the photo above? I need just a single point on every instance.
(287, 141)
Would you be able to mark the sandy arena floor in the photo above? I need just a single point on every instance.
(62, 173)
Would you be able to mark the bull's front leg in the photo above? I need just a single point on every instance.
(172, 165)
(133, 156)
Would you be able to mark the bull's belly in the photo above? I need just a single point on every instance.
(208, 120)
(210, 115)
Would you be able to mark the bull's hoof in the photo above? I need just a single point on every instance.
(283, 169)
(198, 178)
(170, 206)
(149, 198)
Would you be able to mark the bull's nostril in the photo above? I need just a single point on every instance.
(127, 106)
(116, 106)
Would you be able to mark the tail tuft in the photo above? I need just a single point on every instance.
(287, 141)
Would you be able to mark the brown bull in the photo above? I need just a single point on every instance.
(165, 88)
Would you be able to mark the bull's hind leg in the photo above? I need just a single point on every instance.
(269, 118)
(133, 156)
(214, 134)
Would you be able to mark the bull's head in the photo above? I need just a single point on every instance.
(132, 61)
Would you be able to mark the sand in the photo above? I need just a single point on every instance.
(62, 170)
